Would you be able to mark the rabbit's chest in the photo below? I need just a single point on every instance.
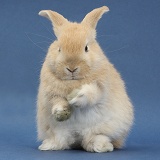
(83, 120)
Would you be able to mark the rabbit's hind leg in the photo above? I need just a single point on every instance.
(98, 143)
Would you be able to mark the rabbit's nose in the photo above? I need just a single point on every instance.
(71, 70)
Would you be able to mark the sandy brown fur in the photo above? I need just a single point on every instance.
(90, 102)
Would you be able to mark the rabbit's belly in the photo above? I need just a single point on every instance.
(89, 117)
(82, 122)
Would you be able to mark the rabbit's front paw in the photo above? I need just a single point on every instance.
(62, 113)
(86, 96)
(79, 100)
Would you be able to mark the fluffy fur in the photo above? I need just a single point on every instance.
(82, 99)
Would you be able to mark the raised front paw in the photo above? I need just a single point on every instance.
(88, 95)
(77, 98)
(62, 113)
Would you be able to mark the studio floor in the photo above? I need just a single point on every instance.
(18, 138)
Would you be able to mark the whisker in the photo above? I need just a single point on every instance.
(117, 49)
(34, 42)
(105, 49)
(38, 35)
(43, 42)
(48, 30)
(105, 35)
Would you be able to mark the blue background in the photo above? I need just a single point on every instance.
(130, 36)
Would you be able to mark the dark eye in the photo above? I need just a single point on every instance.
(86, 48)
(59, 49)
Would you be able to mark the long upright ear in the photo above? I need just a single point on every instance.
(92, 17)
(57, 19)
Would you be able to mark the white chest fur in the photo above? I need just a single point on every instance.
(82, 121)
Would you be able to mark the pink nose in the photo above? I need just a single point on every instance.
(71, 70)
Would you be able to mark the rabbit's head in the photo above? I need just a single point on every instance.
(75, 54)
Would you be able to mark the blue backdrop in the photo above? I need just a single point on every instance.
(130, 36)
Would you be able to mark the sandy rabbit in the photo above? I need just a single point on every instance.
(82, 101)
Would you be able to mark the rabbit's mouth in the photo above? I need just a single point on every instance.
(75, 78)
(72, 78)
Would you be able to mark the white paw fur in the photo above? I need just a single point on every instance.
(102, 145)
(51, 144)
(86, 96)
(47, 144)
(78, 100)
(99, 143)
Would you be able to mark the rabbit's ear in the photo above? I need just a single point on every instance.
(57, 19)
(92, 17)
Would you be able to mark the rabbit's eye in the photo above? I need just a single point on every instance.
(86, 48)
(59, 49)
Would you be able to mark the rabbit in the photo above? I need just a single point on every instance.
(82, 100)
